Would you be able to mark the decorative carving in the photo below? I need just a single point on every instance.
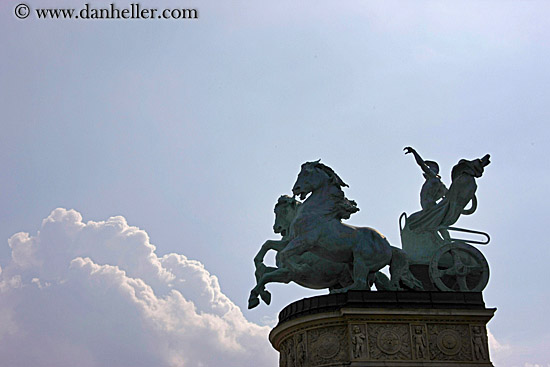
(412, 329)
(389, 341)
(290, 359)
(301, 352)
(358, 341)
(282, 356)
(449, 342)
(327, 345)
(287, 353)
(479, 342)
(420, 344)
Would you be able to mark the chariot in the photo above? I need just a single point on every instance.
(319, 251)
(442, 262)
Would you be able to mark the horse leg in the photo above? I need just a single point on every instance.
(280, 275)
(360, 273)
(382, 282)
(261, 269)
(362, 277)
(397, 265)
(370, 279)
(276, 245)
(400, 272)
(260, 272)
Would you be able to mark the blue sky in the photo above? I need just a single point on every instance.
(191, 130)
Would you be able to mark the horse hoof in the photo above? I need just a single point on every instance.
(253, 302)
(266, 297)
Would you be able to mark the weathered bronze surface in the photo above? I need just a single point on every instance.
(318, 251)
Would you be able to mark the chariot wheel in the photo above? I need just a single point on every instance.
(459, 267)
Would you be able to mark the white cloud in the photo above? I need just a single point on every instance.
(96, 294)
(495, 346)
(514, 355)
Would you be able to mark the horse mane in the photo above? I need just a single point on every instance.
(335, 179)
(343, 207)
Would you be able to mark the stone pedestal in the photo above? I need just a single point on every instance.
(384, 329)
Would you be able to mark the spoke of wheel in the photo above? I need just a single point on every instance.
(456, 258)
(474, 269)
(461, 281)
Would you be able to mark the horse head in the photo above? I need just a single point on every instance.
(285, 212)
(314, 175)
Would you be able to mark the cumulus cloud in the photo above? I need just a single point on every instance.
(495, 346)
(96, 294)
(514, 355)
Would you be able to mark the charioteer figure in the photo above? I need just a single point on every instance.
(437, 258)
(444, 213)
(433, 189)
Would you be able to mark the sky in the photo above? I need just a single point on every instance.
(140, 161)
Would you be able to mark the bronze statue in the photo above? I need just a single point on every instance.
(454, 265)
(318, 251)
(433, 189)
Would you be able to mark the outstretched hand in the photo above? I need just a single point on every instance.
(409, 150)
(486, 160)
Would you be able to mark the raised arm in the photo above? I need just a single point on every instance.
(486, 160)
(420, 161)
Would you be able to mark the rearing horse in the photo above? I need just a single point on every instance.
(307, 269)
(312, 271)
(317, 228)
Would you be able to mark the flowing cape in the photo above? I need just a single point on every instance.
(448, 210)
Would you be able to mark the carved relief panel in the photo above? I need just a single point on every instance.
(326, 345)
(358, 341)
(389, 341)
(479, 343)
(449, 342)
(301, 350)
(419, 342)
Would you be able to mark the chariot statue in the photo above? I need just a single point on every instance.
(318, 251)
(451, 264)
